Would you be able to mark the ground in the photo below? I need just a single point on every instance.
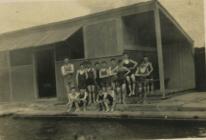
(188, 106)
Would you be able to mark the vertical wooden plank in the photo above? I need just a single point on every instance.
(36, 95)
(85, 42)
(159, 48)
(10, 76)
(120, 39)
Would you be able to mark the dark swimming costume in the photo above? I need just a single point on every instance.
(110, 99)
(106, 80)
(130, 66)
(82, 80)
(81, 96)
(120, 77)
(91, 77)
(98, 81)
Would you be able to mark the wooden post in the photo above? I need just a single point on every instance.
(159, 48)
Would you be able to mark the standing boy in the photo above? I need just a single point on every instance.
(104, 75)
(67, 71)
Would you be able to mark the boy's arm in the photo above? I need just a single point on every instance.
(95, 74)
(77, 79)
(100, 74)
(150, 68)
(72, 68)
(63, 71)
(85, 96)
(126, 69)
(137, 72)
(114, 70)
(135, 63)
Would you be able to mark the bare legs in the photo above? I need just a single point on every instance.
(70, 104)
(121, 94)
(131, 84)
(91, 94)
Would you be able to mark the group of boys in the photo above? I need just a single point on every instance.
(106, 84)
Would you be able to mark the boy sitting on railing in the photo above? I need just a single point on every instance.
(110, 99)
(83, 99)
(73, 99)
(100, 99)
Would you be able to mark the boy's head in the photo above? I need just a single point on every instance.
(126, 56)
(100, 91)
(89, 64)
(103, 88)
(81, 65)
(73, 89)
(113, 61)
(104, 63)
(96, 64)
(119, 62)
(82, 90)
(145, 58)
(109, 88)
(66, 60)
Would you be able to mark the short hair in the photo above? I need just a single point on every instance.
(96, 63)
(119, 61)
(125, 53)
(82, 64)
(104, 62)
(112, 59)
(88, 62)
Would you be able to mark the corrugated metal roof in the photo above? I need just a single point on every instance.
(37, 38)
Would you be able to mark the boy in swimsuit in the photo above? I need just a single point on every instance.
(122, 72)
(104, 75)
(112, 73)
(100, 100)
(148, 68)
(110, 99)
(91, 82)
(97, 81)
(83, 99)
(81, 77)
(143, 73)
(67, 71)
(130, 78)
(73, 100)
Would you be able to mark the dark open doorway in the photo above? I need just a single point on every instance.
(45, 73)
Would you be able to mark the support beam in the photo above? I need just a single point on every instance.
(159, 48)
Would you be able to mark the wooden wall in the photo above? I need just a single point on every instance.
(101, 39)
(179, 66)
(5, 91)
(22, 75)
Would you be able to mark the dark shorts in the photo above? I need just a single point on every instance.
(98, 82)
(110, 99)
(90, 82)
(120, 81)
(82, 85)
(143, 80)
(113, 78)
(131, 72)
(81, 103)
(105, 82)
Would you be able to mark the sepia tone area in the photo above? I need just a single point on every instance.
(18, 14)
(97, 70)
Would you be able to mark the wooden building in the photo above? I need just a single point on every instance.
(30, 59)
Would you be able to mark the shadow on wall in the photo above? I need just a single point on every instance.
(200, 69)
